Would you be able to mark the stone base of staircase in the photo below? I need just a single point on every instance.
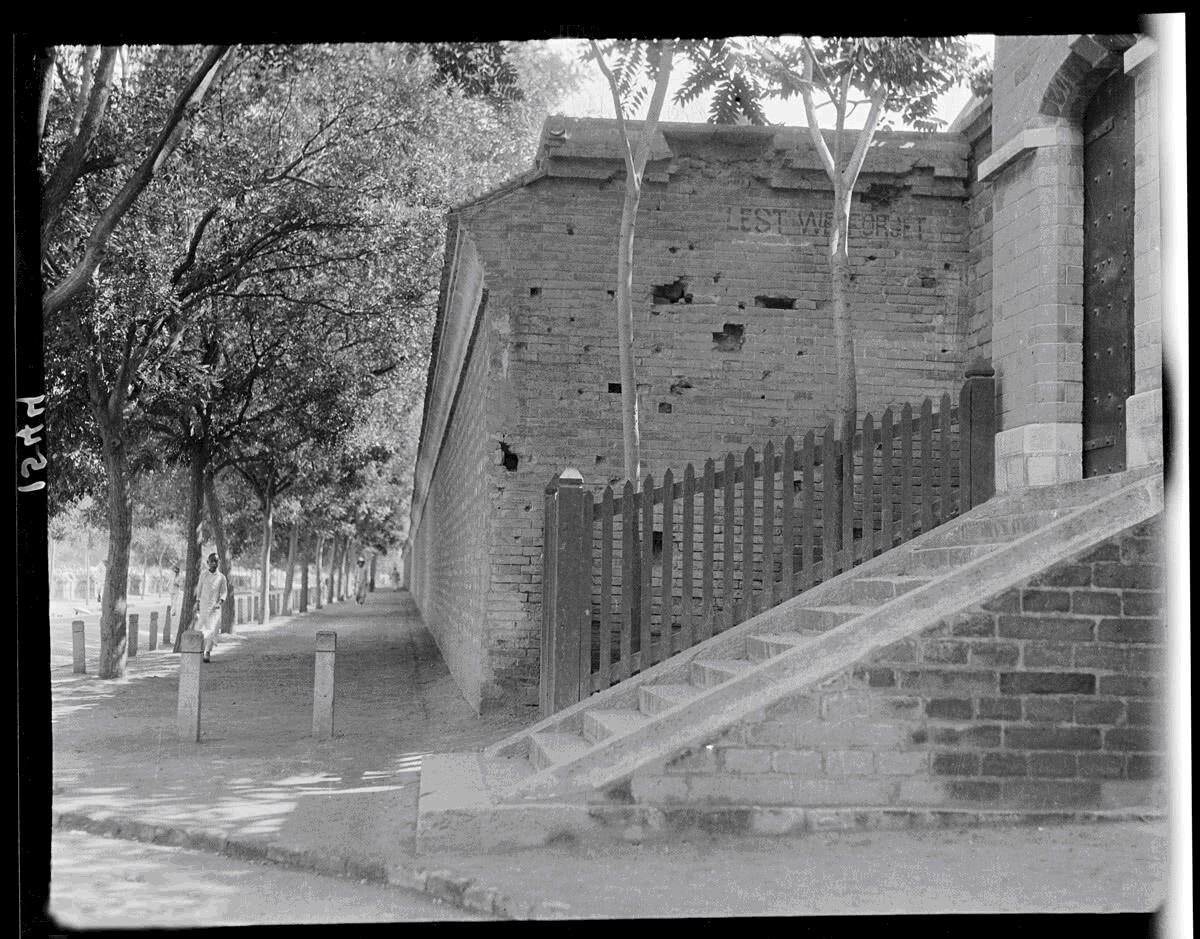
(456, 813)
(583, 772)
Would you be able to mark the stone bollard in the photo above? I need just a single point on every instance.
(322, 726)
(133, 634)
(240, 603)
(188, 719)
(77, 653)
(153, 634)
(167, 628)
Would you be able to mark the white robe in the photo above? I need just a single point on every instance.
(212, 592)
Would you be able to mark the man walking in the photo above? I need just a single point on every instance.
(212, 593)
(360, 587)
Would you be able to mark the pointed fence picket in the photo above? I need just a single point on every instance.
(630, 579)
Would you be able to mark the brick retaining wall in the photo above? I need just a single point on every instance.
(1046, 696)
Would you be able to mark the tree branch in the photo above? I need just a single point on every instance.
(864, 138)
(189, 99)
(69, 168)
(810, 113)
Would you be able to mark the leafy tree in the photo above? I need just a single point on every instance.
(106, 137)
(893, 77)
(716, 68)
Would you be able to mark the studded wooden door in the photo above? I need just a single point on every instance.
(1108, 274)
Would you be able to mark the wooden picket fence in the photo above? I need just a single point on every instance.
(630, 579)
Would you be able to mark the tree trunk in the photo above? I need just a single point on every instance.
(268, 526)
(303, 604)
(192, 526)
(347, 566)
(630, 419)
(142, 592)
(317, 560)
(335, 570)
(293, 543)
(843, 337)
(113, 634)
(229, 607)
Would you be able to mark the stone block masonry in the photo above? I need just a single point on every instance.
(1048, 696)
(733, 332)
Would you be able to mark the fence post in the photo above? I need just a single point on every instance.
(980, 391)
(132, 620)
(77, 648)
(153, 634)
(167, 627)
(323, 682)
(188, 714)
(565, 597)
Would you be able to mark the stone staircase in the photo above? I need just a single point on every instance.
(542, 779)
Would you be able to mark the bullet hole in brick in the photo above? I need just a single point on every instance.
(944, 351)
(658, 347)
(731, 338)
(599, 460)
(766, 374)
(798, 485)
(587, 348)
(570, 230)
(657, 546)
(741, 306)
(776, 303)
(853, 278)
(535, 291)
(762, 397)
(672, 249)
(946, 266)
(664, 407)
(614, 387)
(611, 293)
(928, 281)
(678, 387)
(579, 391)
(528, 507)
(691, 247)
(800, 352)
(671, 293)
(510, 459)
(716, 278)
(572, 319)
(871, 257)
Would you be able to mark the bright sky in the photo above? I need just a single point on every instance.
(594, 100)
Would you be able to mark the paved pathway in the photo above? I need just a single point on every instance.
(259, 786)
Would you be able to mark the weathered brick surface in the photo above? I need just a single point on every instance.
(1048, 718)
(732, 232)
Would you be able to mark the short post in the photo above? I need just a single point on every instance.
(977, 440)
(188, 720)
(566, 615)
(153, 634)
(133, 634)
(167, 628)
(77, 652)
(322, 725)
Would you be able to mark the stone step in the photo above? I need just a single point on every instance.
(935, 561)
(601, 723)
(708, 673)
(654, 699)
(547, 749)
(997, 530)
(767, 646)
(823, 618)
(878, 590)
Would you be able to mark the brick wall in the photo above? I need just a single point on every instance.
(1047, 696)
(979, 240)
(739, 249)
(450, 573)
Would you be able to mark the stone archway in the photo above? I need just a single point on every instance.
(1091, 61)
